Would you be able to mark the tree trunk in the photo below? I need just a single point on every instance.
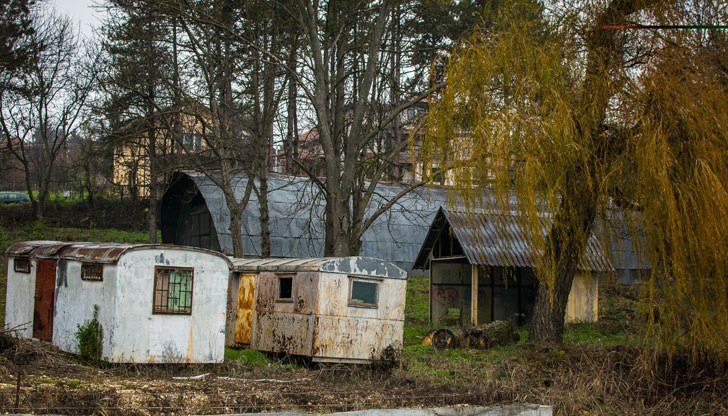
(264, 216)
(337, 228)
(236, 226)
(566, 241)
(153, 186)
(572, 224)
(291, 146)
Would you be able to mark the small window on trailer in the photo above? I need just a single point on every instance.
(92, 271)
(285, 288)
(21, 265)
(173, 290)
(363, 292)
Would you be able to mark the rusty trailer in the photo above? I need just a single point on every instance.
(347, 309)
(155, 303)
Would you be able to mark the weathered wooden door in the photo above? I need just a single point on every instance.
(45, 283)
(246, 300)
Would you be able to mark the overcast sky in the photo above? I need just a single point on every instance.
(80, 12)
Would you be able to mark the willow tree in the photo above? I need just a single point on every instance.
(570, 114)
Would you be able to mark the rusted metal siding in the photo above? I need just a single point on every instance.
(245, 307)
(285, 326)
(344, 332)
(318, 320)
(231, 311)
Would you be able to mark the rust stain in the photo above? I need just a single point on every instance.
(190, 347)
(246, 299)
(319, 321)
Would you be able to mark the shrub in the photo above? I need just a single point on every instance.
(90, 338)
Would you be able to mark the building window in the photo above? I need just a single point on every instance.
(21, 265)
(363, 293)
(285, 288)
(173, 290)
(192, 142)
(92, 271)
(437, 175)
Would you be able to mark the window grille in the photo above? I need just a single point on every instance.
(173, 290)
(21, 265)
(92, 271)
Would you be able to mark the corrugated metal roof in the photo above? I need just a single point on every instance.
(39, 248)
(96, 252)
(497, 239)
(89, 252)
(297, 228)
(354, 265)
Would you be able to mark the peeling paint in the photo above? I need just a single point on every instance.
(132, 333)
(320, 321)
(61, 275)
(159, 259)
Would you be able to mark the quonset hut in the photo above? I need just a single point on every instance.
(194, 213)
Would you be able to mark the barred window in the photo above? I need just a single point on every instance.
(21, 265)
(92, 271)
(173, 290)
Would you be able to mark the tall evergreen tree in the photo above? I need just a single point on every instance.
(138, 86)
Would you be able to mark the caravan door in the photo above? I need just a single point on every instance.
(45, 284)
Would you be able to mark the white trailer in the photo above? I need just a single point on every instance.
(156, 303)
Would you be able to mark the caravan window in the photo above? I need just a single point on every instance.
(285, 288)
(363, 292)
(92, 271)
(173, 290)
(21, 265)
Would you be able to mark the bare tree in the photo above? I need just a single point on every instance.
(207, 38)
(46, 111)
(356, 102)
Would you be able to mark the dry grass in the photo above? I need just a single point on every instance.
(576, 380)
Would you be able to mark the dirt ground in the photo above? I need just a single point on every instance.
(36, 378)
(54, 382)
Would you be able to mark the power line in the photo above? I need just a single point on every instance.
(656, 27)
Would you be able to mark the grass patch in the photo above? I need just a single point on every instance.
(459, 366)
(587, 333)
(248, 357)
(417, 309)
